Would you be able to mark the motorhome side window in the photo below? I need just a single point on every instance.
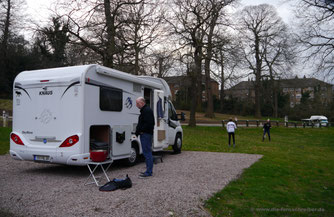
(111, 99)
(171, 111)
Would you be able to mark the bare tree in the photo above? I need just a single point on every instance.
(196, 23)
(215, 13)
(141, 30)
(52, 41)
(98, 26)
(316, 34)
(189, 18)
(163, 62)
(279, 58)
(10, 19)
(228, 58)
(258, 26)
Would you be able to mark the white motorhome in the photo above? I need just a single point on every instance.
(58, 113)
(317, 120)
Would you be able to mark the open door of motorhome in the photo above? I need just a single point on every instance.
(159, 135)
(121, 144)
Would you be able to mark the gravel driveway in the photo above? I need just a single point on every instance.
(178, 188)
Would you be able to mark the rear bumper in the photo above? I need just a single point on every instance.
(68, 158)
(49, 153)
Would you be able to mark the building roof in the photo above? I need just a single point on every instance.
(177, 80)
(183, 80)
(285, 83)
(302, 82)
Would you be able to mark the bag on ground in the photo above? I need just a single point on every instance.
(117, 184)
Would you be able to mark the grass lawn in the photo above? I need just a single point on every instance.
(295, 177)
(6, 104)
(4, 139)
(200, 117)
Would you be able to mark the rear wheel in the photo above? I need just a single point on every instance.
(132, 160)
(177, 144)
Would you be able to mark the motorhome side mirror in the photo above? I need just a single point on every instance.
(183, 116)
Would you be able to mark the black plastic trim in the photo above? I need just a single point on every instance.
(74, 83)
(23, 90)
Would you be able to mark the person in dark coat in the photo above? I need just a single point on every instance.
(144, 129)
(266, 129)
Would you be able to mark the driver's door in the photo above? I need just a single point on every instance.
(172, 123)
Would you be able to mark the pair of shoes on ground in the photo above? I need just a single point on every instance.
(117, 184)
(144, 175)
(230, 145)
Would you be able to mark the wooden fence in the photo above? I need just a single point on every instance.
(6, 120)
(259, 123)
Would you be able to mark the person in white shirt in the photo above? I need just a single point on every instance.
(230, 127)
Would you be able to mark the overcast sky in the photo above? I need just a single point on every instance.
(39, 9)
(283, 7)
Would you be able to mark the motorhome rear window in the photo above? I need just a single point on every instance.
(111, 99)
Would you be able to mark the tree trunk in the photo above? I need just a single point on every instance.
(198, 74)
(137, 49)
(193, 94)
(4, 72)
(275, 104)
(199, 90)
(209, 110)
(276, 89)
(6, 28)
(222, 80)
(196, 86)
(136, 71)
(273, 90)
(160, 67)
(257, 77)
(108, 59)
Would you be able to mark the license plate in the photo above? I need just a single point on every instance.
(41, 158)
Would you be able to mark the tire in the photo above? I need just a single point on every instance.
(133, 159)
(177, 144)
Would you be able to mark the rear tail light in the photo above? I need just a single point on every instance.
(16, 139)
(70, 141)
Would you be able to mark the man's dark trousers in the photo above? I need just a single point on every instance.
(146, 144)
(229, 138)
(264, 133)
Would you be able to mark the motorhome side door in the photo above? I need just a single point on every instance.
(172, 123)
(159, 135)
(121, 144)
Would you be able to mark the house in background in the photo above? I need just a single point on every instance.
(176, 83)
(295, 87)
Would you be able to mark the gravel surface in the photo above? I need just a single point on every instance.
(179, 187)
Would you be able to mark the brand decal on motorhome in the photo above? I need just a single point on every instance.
(128, 103)
(45, 92)
(27, 132)
(46, 116)
(18, 93)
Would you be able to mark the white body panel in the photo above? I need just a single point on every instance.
(318, 117)
(317, 120)
(51, 105)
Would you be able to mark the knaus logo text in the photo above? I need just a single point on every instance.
(48, 92)
(45, 91)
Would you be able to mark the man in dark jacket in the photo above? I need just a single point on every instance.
(144, 129)
(266, 129)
